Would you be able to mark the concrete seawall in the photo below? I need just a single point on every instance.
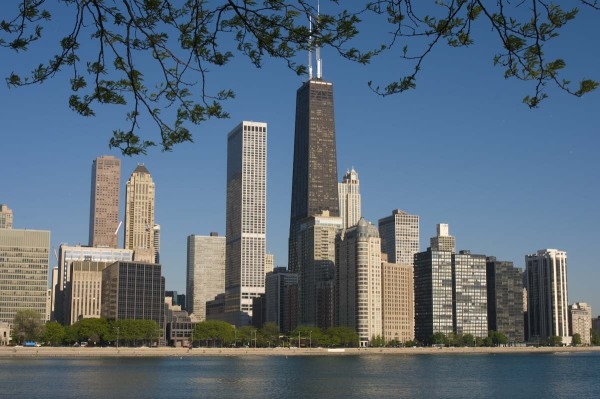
(50, 352)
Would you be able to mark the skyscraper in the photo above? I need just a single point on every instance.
(104, 201)
(349, 193)
(400, 237)
(398, 310)
(469, 294)
(580, 320)
(315, 265)
(314, 181)
(24, 262)
(205, 272)
(505, 298)
(245, 219)
(281, 290)
(443, 241)
(547, 301)
(139, 215)
(433, 294)
(6, 217)
(359, 284)
(133, 290)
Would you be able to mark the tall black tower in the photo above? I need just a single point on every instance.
(314, 182)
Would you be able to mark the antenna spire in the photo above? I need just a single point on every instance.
(318, 49)
(310, 70)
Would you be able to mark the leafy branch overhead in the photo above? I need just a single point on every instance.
(154, 56)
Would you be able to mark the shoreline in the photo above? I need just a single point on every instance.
(69, 352)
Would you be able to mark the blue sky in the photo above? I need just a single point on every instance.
(460, 149)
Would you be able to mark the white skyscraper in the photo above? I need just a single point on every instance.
(205, 272)
(547, 297)
(245, 219)
(359, 284)
(349, 194)
(400, 237)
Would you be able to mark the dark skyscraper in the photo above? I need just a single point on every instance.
(314, 182)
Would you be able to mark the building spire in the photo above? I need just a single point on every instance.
(319, 74)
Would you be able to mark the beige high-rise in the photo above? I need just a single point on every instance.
(85, 290)
(139, 215)
(400, 237)
(104, 201)
(358, 274)
(580, 320)
(205, 272)
(398, 302)
(6, 217)
(349, 196)
(24, 261)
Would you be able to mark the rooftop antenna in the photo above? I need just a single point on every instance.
(310, 71)
(318, 49)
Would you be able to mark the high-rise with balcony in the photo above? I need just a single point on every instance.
(205, 272)
(349, 193)
(245, 220)
(139, 215)
(104, 201)
(547, 297)
(400, 237)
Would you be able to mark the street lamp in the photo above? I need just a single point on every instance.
(118, 330)
(310, 339)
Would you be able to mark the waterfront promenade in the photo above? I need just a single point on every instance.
(49, 352)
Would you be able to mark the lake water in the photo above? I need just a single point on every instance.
(569, 375)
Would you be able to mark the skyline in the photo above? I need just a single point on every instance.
(508, 180)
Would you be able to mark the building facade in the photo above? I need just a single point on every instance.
(6, 217)
(69, 254)
(84, 290)
(315, 264)
(349, 194)
(24, 263)
(433, 294)
(397, 285)
(133, 290)
(469, 294)
(399, 237)
(281, 287)
(104, 202)
(245, 219)
(314, 180)
(580, 321)
(358, 278)
(205, 272)
(547, 296)
(139, 214)
(505, 299)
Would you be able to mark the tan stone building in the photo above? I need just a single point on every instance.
(85, 290)
(139, 215)
(359, 291)
(397, 302)
(580, 321)
(104, 201)
(6, 217)
(205, 272)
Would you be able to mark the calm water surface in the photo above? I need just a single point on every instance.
(571, 375)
